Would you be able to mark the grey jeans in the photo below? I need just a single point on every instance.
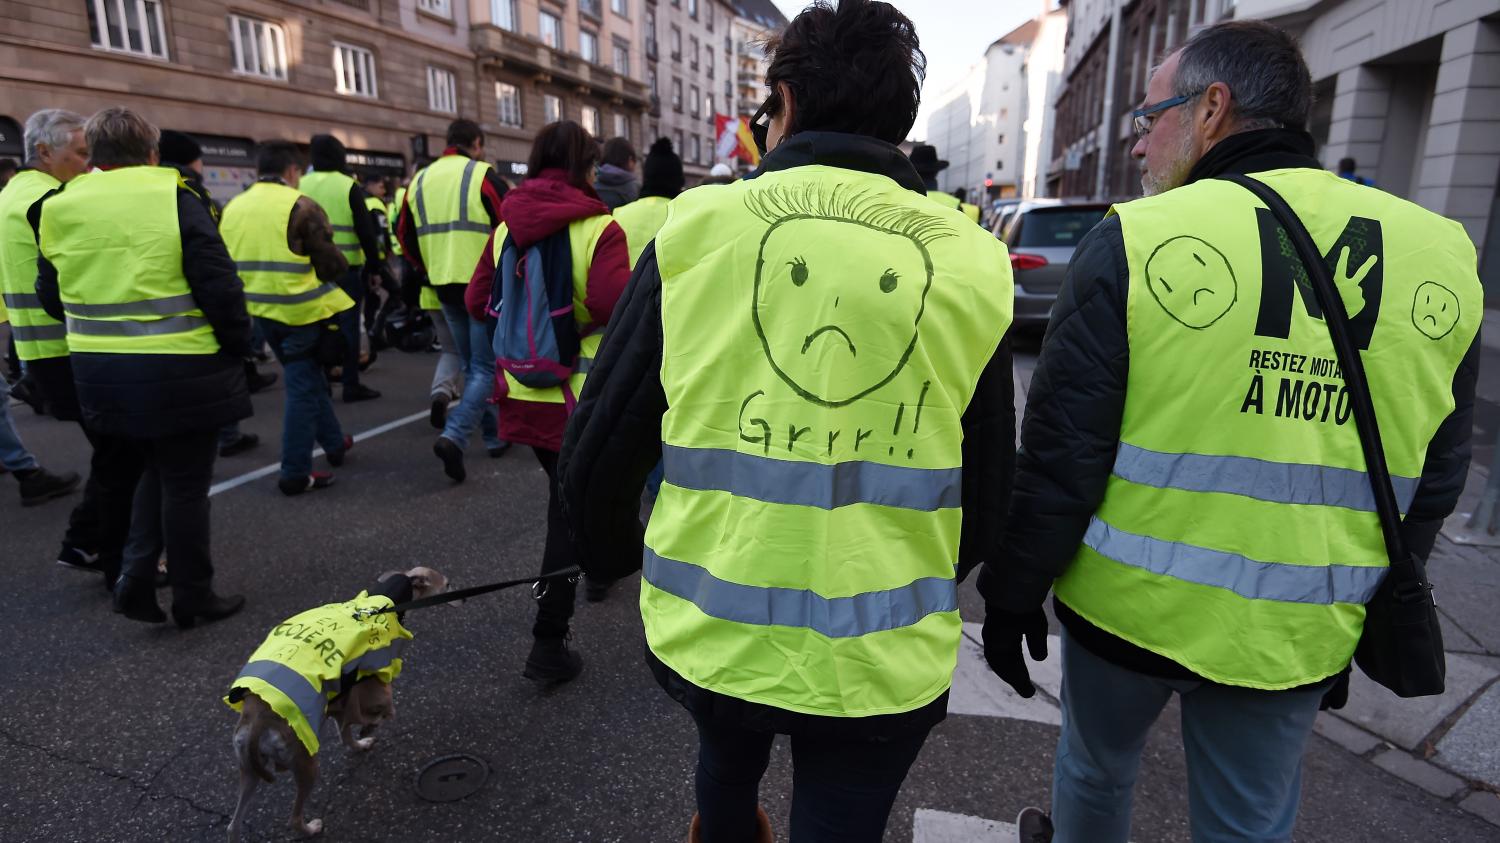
(1244, 752)
(448, 377)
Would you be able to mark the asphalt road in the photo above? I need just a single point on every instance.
(113, 730)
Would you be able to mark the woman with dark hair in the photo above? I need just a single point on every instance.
(556, 202)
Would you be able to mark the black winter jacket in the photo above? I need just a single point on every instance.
(153, 395)
(614, 440)
(1073, 412)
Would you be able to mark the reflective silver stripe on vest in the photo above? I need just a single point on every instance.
(417, 194)
(38, 333)
(348, 229)
(293, 298)
(350, 247)
(834, 617)
(171, 325)
(1277, 482)
(811, 484)
(374, 660)
(273, 266)
(20, 300)
(1250, 578)
(308, 699)
(149, 307)
(460, 225)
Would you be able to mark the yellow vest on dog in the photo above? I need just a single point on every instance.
(301, 665)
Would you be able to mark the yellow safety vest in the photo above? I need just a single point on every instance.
(1238, 535)
(303, 663)
(451, 222)
(331, 191)
(377, 212)
(114, 238)
(640, 220)
(279, 283)
(583, 237)
(38, 336)
(392, 215)
(970, 211)
(823, 332)
(947, 200)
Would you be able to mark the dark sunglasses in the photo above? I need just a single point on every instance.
(758, 129)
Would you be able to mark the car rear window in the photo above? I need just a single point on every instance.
(1057, 226)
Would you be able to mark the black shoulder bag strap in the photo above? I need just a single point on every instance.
(1401, 646)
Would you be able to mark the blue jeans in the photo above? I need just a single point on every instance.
(473, 341)
(1244, 752)
(13, 454)
(842, 790)
(309, 416)
(352, 283)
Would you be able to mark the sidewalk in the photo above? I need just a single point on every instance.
(1448, 745)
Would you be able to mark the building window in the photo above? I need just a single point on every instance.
(442, 90)
(693, 52)
(620, 7)
(551, 108)
(130, 26)
(622, 58)
(651, 81)
(550, 26)
(590, 8)
(650, 27)
(708, 105)
(676, 42)
(354, 70)
(590, 119)
(694, 101)
(258, 47)
(677, 141)
(508, 103)
(693, 9)
(709, 57)
(677, 95)
(710, 17)
(436, 7)
(588, 46)
(697, 149)
(622, 127)
(503, 13)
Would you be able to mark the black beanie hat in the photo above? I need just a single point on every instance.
(326, 153)
(661, 172)
(178, 148)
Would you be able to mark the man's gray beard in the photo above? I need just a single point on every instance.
(1182, 164)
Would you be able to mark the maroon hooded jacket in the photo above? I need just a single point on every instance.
(543, 205)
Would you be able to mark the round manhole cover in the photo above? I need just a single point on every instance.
(451, 777)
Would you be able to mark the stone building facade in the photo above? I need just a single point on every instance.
(687, 60)
(385, 76)
(755, 23)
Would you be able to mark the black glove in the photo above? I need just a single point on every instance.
(1003, 632)
(1337, 694)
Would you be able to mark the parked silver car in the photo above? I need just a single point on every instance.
(1041, 235)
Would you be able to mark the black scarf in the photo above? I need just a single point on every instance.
(846, 151)
(1256, 152)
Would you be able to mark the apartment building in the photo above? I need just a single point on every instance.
(687, 61)
(385, 76)
(755, 22)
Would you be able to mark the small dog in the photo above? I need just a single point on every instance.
(336, 661)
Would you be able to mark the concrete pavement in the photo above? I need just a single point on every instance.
(111, 730)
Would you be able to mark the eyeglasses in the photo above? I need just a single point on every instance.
(1143, 117)
(759, 129)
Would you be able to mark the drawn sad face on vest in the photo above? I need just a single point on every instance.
(1192, 281)
(1434, 310)
(841, 281)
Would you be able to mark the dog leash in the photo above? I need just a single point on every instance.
(538, 589)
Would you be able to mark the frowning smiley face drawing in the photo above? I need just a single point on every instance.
(841, 280)
(1434, 310)
(838, 303)
(1192, 281)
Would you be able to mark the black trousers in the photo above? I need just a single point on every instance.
(842, 789)
(555, 609)
(354, 284)
(83, 521)
(174, 506)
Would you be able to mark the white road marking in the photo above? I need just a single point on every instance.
(931, 826)
(977, 690)
(266, 471)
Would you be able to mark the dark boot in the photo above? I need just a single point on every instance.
(595, 590)
(762, 828)
(552, 662)
(136, 599)
(206, 607)
(40, 485)
(453, 458)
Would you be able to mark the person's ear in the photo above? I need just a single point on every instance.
(1216, 112)
(788, 108)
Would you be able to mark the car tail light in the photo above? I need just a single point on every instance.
(1020, 261)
